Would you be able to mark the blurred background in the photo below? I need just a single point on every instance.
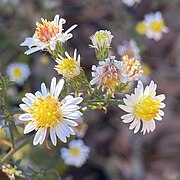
(116, 152)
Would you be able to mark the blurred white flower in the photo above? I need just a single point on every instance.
(77, 153)
(156, 26)
(129, 48)
(144, 106)
(130, 3)
(47, 34)
(18, 72)
(47, 115)
(153, 26)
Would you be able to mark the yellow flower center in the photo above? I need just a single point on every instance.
(75, 151)
(46, 30)
(141, 28)
(147, 108)
(69, 68)
(157, 26)
(46, 112)
(101, 36)
(17, 72)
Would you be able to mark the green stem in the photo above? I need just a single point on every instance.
(12, 151)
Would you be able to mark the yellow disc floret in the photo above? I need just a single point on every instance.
(74, 151)
(147, 108)
(69, 68)
(46, 111)
(46, 30)
(17, 72)
(157, 26)
(141, 28)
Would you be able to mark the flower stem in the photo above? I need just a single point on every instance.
(19, 145)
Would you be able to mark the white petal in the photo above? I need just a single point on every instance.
(125, 108)
(160, 97)
(24, 107)
(152, 125)
(128, 120)
(43, 135)
(70, 122)
(26, 117)
(60, 134)
(137, 126)
(38, 94)
(162, 105)
(29, 127)
(53, 136)
(43, 89)
(71, 28)
(73, 101)
(94, 80)
(66, 99)
(30, 96)
(73, 115)
(37, 137)
(53, 86)
(59, 88)
(161, 113)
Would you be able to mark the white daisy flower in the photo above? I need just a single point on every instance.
(76, 154)
(130, 3)
(47, 115)
(47, 35)
(131, 68)
(156, 26)
(129, 48)
(144, 106)
(81, 128)
(107, 75)
(18, 72)
(69, 67)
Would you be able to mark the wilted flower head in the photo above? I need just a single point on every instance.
(130, 3)
(47, 115)
(69, 67)
(11, 171)
(101, 41)
(76, 154)
(129, 48)
(47, 34)
(81, 128)
(153, 26)
(18, 72)
(143, 106)
(107, 75)
(131, 68)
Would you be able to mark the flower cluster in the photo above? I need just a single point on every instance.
(153, 26)
(56, 112)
